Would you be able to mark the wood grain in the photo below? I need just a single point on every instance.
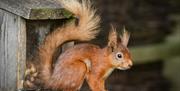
(12, 50)
(35, 9)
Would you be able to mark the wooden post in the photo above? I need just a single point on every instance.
(12, 50)
(23, 26)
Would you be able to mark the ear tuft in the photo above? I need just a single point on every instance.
(125, 37)
(112, 38)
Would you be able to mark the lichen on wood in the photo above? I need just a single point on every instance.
(46, 13)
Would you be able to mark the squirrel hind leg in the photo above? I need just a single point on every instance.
(68, 76)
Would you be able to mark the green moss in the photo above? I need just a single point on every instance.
(66, 13)
(46, 13)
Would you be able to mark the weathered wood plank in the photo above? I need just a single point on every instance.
(35, 9)
(21, 57)
(12, 50)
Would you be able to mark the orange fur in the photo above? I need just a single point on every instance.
(71, 68)
(83, 61)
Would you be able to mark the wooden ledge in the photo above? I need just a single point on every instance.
(35, 9)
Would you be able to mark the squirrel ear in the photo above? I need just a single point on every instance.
(125, 37)
(112, 39)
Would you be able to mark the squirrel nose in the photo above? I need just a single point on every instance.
(129, 65)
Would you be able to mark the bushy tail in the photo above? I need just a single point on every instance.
(88, 20)
(85, 29)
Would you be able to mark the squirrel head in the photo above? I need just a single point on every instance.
(117, 48)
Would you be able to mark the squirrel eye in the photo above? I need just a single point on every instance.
(119, 55)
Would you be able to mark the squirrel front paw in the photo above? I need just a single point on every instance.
(30, 77)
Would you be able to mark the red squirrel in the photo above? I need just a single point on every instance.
(83, 61)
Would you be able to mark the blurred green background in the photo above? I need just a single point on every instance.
(154, 43)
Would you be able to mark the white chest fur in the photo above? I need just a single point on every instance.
(108, 72)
